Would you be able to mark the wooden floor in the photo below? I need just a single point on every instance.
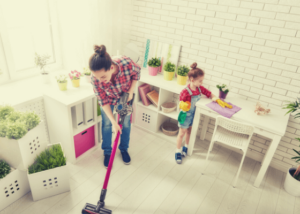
(154, 183)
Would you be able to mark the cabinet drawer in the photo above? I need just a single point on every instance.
(84, 141)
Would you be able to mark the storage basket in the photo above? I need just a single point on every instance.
(168, 107)
(169, 128)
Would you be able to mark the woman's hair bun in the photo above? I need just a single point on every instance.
(194, 65)
(101, 50)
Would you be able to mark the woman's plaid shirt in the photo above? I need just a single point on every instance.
(107, 93)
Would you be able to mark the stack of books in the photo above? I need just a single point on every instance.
(143, 91)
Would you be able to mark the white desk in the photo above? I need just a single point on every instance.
(272, 125)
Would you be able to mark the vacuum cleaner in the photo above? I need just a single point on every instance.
(123, 109)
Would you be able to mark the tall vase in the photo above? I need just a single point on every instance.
(222, 95)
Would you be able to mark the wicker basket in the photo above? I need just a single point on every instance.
(169, 128)
(168, 107)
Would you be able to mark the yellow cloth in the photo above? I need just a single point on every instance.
(223, 104)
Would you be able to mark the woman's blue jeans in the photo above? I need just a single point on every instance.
(107, 133)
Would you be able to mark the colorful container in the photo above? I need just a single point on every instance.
(153, 70)
(62, 86)
(168, 75)
(76, 83)
(181, 80)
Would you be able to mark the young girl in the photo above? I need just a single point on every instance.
(191, 93)
(110, 78)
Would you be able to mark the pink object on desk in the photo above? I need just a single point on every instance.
(84, 141)
(160, 68)
(226, 112)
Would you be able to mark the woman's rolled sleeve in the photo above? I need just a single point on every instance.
(135, 71)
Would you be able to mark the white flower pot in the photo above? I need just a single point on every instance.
(50, 182)
(88, 78)
(21, 153)
(13, 186)
(46, 78)
(291, 185)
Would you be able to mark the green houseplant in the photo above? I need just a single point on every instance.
(62, 82)
(169, 70)
(223, 90)
(87, 73)
(5, 111)
(153, 66)
(4, 169)
(49, 174)
(41, 62)
(182, 72)
(50, 158)
(292, 180)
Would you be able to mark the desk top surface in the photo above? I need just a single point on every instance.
(276, 121)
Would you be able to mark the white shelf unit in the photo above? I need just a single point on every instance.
(168, 92)
(61, 118)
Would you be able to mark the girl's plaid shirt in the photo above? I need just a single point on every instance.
(107, 93)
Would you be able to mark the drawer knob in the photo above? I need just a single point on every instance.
(84, 133)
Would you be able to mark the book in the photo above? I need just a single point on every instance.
(153, 97)
(143, 91)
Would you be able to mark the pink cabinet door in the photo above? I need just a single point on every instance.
(84, 141)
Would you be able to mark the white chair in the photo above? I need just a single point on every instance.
(234, 134)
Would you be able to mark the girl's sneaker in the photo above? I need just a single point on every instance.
(184, 151)
(178, 158)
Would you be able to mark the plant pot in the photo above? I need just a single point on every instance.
(168, 75)
(88, 78)
(13, 186)
(291, 185)
(222, 95)
(153, 70)
(46, 78)
(50, 182)
(76, 83)
(181, 80)
(62, 86)
(20, 153)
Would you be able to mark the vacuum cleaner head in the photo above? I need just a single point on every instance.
(92, 209)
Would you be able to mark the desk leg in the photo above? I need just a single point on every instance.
(194, 132)
(268, 157)
(204, 127)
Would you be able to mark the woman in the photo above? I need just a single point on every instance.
(110, 78)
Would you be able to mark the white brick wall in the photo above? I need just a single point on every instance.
(252, 45)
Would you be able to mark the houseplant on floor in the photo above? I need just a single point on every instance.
(223, 91)
(153, 66)
(292, 180)
(75, 78)
(62, 82)
(22, 136)
(182, 72)
(169, 70)
(41, 61)
(13, 184)
(49, 174)
(87, 73)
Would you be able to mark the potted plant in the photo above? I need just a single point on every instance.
(41, 62)
(169, 70)
(22, 136)
(153, 66)
(223, 91)
(292, 179)
(62, 82)
(49, 174)
(75, 78)
(13, 184)
(87, 73)
(182, 72)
